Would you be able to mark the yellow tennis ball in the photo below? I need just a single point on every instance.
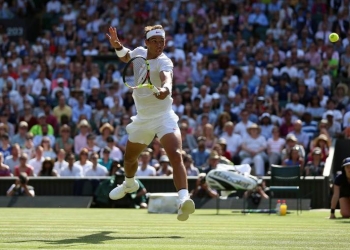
(333, 37)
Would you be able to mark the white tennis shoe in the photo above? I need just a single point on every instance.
(186, 208)
(120, 191)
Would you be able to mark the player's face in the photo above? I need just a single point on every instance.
(156, 44)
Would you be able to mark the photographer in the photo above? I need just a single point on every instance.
(202, 189)
(20, 187)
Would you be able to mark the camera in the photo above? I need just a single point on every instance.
(202, 181)
(22, 179)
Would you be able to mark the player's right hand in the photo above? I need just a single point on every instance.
(113, 38)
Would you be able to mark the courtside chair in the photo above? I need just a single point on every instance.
(285, 179)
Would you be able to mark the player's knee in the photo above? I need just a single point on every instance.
(175, 157)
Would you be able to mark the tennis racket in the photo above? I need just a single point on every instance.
(136, 74)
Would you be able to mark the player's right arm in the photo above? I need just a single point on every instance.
(120, 50)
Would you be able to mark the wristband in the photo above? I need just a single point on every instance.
(122, 52)
(332, 211)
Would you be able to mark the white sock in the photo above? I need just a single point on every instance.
(183, 194)
(130, 181)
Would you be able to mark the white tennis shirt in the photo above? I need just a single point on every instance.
(147, 105)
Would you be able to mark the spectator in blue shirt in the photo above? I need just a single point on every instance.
(200, 155)
(216, 74)
(258, 18)
(81, 109)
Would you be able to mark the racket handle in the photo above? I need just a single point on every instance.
(155, 90)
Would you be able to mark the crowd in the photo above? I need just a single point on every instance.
(255, 82)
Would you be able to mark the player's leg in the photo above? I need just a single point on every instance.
(172, 146)
(344, 204)
(132, 152)
(139, 138)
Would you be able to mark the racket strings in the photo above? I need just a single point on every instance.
(140, 71)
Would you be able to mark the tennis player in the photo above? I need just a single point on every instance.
(341, 191)
(154, 117)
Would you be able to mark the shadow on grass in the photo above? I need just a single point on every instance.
(96, 238)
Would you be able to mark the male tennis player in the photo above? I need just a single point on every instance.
(154, 117)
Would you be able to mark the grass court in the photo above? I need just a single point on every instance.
(136, 229)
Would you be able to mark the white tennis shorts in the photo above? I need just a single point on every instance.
(143, 130)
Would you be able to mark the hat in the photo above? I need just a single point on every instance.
(291, 137)
(60, 80)
(222, 141)
(253, 126)
(106, 126)
(216, 96)
(25, 71)
(324, 121)
(106, 150)
(164, 158)
(201, 138)
(214, 155)
(330, 113)
(322, 137)
(42, 98)
(23, 124)
(344, 86)
(316, 151)
(261, 98)
(40, 115)
(346, 162)
(170, 44)
(83, 123)
(265, 115)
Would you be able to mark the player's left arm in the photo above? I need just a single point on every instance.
(166, 77)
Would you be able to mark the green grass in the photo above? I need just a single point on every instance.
(136, 229)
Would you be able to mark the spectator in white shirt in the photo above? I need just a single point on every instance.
(175, 52)
(72, 169)
(233, 141)
(25, 80)
(60, 164)
(96, 169)
(275, 146)
(116, 154)
(37, 161)
(204, 96)
(53, 6)
(145, 169)
(290, 69)
(241, 127)
(40, 83)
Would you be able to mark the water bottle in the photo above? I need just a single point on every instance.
(283, 208)
(278, 207)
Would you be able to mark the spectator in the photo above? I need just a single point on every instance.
(233, 140)
(275, 146)
(200, 154)
(71, 169)
(241, 127)
(60, 164)
(253, 149)
(21, 187)
(5, 148)
(96, 169)
(47, 168)
(202, 190)
(83, 160)
(47, 149)
(105, 160)
(20, 137)
(64, 142)
(302, 137)
(80, 140)
(188, 141)
(4, 169)
(37, 161)
(38, 128)
(190, 168)
(165, 169)
(145, 169)
(212, 163)
(294, 158)
(315, 166)
(23, 166)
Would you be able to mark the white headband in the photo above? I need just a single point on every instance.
(157, 32)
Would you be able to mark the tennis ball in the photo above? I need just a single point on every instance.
(333, 37)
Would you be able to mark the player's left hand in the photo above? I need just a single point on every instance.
(163, 93)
